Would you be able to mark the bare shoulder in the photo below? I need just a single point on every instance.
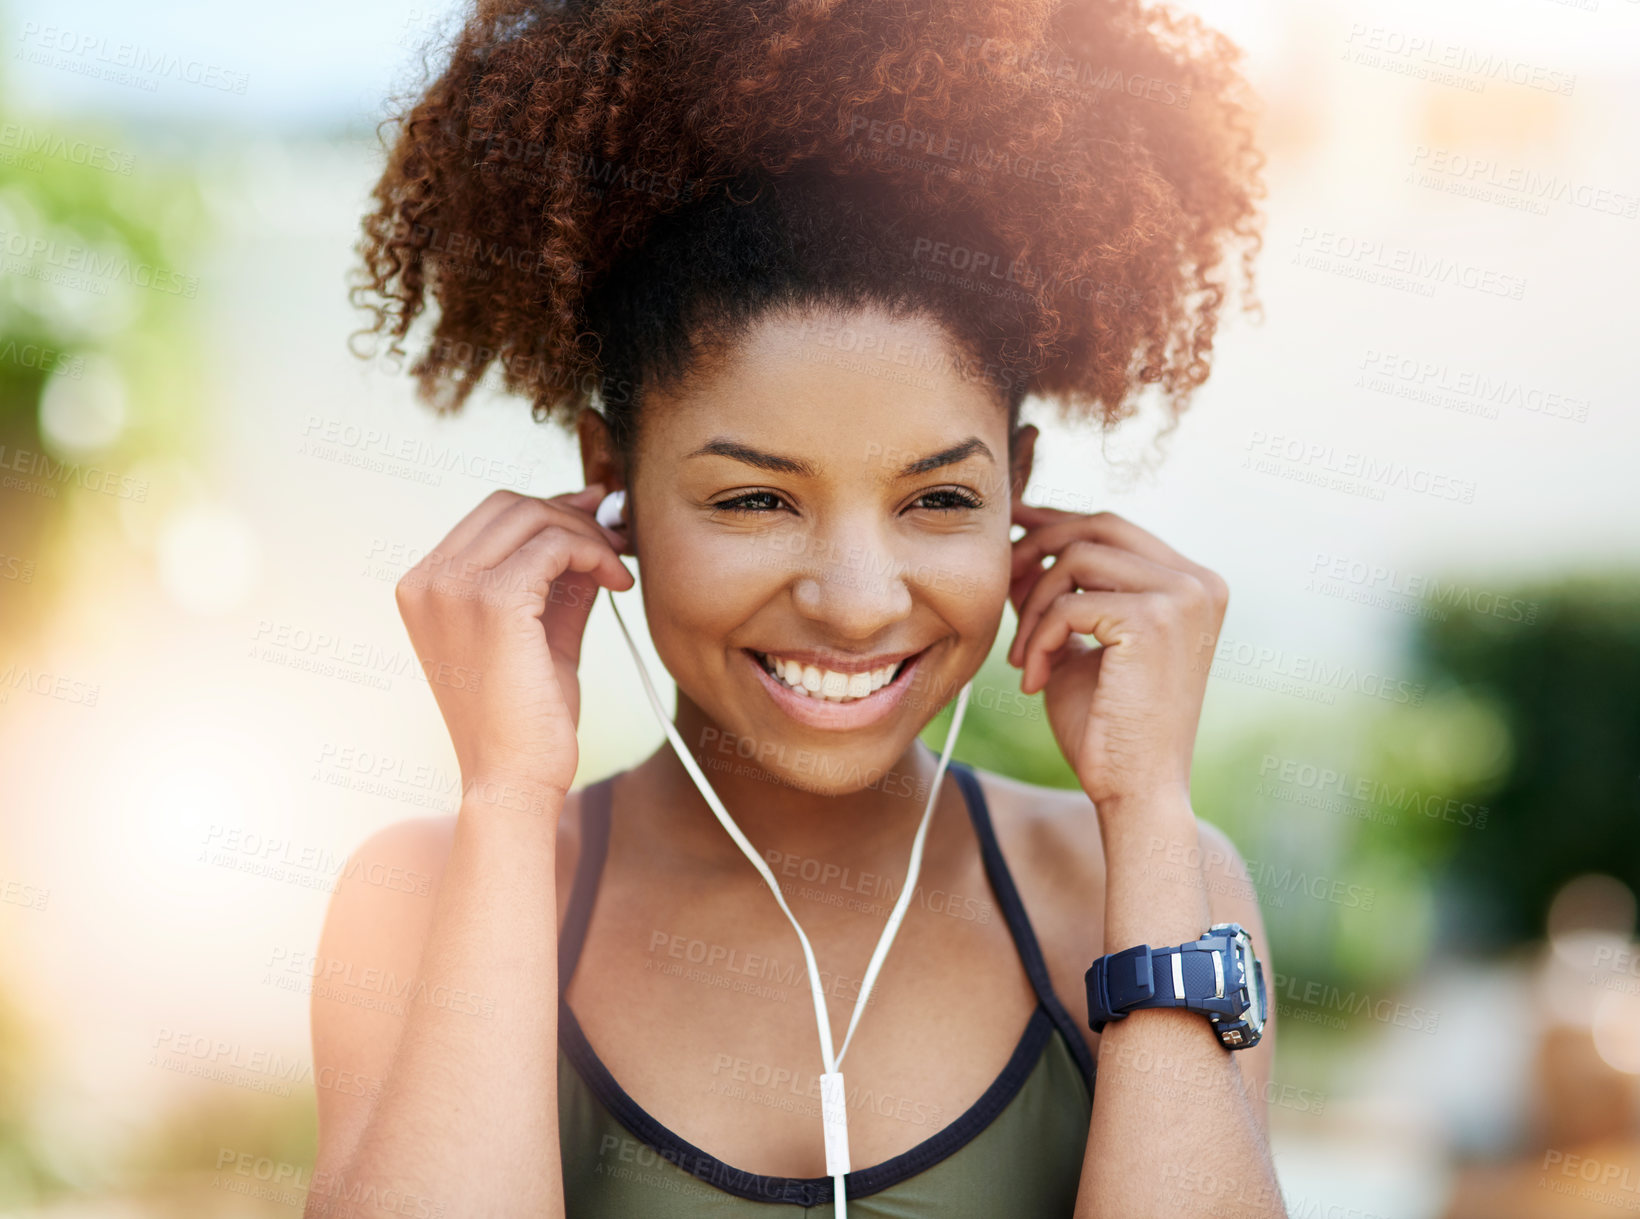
(395, 874)
(1051, 841)
(369, 951)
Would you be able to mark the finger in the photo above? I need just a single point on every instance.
(492, 506)
(1091, 566)
(1024, 576)
(1029, 514)
(1019, 589)
(584, 503)
(519, 523)
(1023, 581)
(567, 570)
(555, 551)
(1031, 517)
(474, 523)
(1107, 616)
(569, 604)
(1051, 535)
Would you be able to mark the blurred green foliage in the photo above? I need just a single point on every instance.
(97, 238)
(1565, 693)
(91, 190)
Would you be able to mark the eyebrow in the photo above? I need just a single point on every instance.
(724, 447)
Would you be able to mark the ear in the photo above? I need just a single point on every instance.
(599, 461)
(1024, 454)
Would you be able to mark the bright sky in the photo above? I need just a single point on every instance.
(313, 61)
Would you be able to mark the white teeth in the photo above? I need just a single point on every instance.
(827, 684)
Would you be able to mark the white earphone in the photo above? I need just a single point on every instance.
(611, 509)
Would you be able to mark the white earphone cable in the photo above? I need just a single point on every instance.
(833, 1097)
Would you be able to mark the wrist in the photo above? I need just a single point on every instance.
(1155, 890)
(492, 793)
(1138, 813)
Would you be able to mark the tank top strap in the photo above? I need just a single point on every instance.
(1019, 924)
(596, 799)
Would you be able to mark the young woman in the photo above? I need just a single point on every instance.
(790, 269)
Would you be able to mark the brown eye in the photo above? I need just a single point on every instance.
(950, 499)
(744, 503)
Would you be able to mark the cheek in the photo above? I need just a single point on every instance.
(967, 583)
(699, 587)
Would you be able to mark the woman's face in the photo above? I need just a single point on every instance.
(842, 519)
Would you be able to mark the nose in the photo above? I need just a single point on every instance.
(853, 584)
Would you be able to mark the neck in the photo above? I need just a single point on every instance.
(782, 815)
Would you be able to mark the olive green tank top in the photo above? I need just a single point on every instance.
(1017, 1150)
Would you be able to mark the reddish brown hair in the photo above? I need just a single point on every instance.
(594, 194)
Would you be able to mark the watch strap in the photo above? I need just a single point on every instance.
(1142, 977)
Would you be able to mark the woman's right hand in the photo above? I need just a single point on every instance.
(496, 613)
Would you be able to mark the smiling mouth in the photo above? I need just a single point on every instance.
(828, 685)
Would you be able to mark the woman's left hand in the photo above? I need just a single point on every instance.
(1124, 713)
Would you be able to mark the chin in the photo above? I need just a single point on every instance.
(836, 775)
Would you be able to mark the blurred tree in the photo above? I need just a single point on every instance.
(94, 305)
(1566, 689)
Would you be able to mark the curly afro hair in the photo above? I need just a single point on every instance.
(599, 194)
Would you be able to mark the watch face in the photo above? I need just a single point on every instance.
(1253, 978)
(1246, 1028)
(1242, 945)
(1255, 984)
